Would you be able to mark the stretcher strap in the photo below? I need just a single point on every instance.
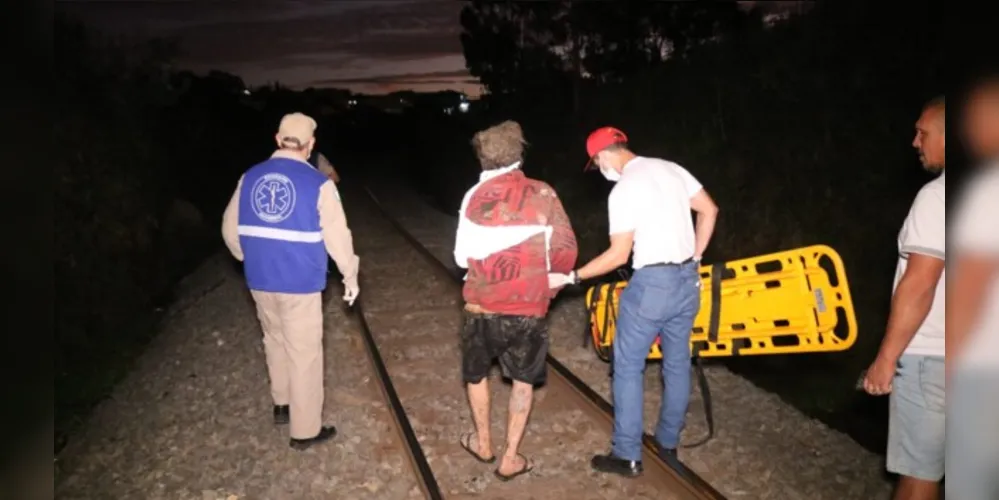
(610, 316)
(709, 414)
(716, 274)
(717, 270)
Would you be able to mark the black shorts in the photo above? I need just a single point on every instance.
(520, 343)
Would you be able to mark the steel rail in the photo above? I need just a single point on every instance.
(418, 459)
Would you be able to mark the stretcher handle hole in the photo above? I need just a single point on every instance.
(842, 329)
(769, 266)
(826, 264)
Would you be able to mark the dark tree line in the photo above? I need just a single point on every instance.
(145, 155)
(520, 47)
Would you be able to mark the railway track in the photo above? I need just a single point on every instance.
(417, 459)
(410, 397)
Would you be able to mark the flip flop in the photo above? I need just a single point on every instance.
(528, 467)
(465, 443)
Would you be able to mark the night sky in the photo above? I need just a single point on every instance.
(368, 46)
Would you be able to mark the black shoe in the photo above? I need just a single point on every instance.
(282, 414)
(325, 433)
(610, 463)
(667, 454)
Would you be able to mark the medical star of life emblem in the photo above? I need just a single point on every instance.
(273, 197)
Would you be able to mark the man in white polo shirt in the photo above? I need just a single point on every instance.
(910, 363)
(973, 310)
(650, 213)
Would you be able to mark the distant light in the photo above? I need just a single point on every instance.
(463, 107)
(246, 91)
(352, 102)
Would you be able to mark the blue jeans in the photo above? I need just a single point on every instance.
(657, 301)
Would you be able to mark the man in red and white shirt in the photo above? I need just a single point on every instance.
(512, 232)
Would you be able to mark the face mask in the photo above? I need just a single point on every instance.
(611, 174)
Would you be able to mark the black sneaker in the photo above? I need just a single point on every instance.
(325, 433)
(614, 465)
(282, 414)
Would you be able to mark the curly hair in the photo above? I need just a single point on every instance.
(499, 145)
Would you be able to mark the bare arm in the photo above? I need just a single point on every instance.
(622, 214)
(910, 304)
(976, 265)
(230, 224)
(972, 275)
(336, 235)
(612, 258)
(707, 214)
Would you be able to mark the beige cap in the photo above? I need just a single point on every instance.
(297, 127)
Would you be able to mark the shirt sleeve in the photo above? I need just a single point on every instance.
(461, 235)
(925, 232)
(327, 169)
(230, 223)
(976, 227)
(336, 235)
(690, 183)
(620, 209)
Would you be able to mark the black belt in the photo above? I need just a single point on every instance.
(670, 264)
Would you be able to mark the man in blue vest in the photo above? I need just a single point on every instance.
(282, 221)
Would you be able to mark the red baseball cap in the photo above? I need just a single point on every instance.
(601, 139)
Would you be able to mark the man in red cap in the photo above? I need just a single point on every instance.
(649, 211)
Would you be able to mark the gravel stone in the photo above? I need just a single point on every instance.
(193, 420)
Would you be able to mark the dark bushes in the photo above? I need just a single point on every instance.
(132, 214)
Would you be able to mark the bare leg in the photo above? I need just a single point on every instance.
(478, 399)
(521, 398)
(910, 488)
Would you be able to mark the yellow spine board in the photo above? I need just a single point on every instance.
(796, 301)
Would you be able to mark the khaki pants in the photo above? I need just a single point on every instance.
(293, 344)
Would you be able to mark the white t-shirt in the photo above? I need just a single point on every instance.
(924, 233)
(977, 230)
(652, 198)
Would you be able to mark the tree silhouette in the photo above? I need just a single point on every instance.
(519, 46)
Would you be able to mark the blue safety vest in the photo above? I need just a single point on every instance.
(279, 231)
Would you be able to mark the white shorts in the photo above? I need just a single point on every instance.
(916, 425)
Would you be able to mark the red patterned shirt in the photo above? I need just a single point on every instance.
(513, 231)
